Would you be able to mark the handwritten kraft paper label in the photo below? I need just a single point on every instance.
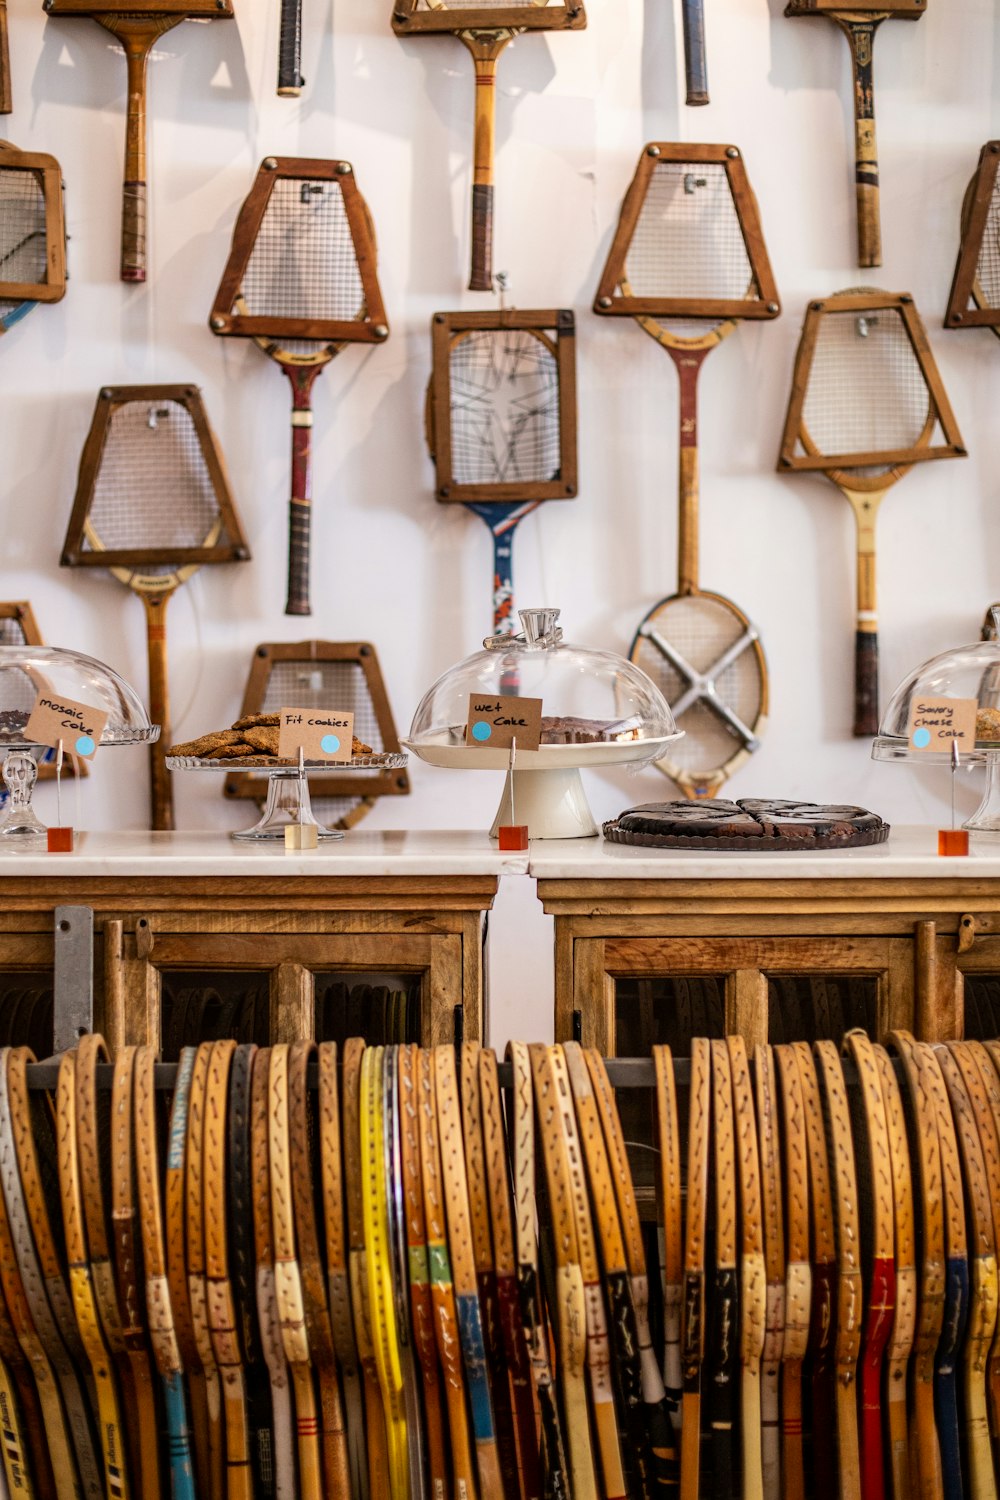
(495, 723)
(322, 733)
(78, 725)
(937, 723)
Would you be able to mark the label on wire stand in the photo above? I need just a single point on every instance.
(321, 734)
(495, 723)
(938, 723)
(78, 725)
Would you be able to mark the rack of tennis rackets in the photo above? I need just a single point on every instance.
(393, 1271)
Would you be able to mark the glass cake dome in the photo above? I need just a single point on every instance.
(25, 672)
(597, 709)
(971, 673)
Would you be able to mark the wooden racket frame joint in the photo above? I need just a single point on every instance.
(896, 10)
(557, 327)
(609, 299)
(370, 328)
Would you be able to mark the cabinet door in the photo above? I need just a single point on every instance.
(177, 989)
(633, 992)
(26, 992)
(976, 977)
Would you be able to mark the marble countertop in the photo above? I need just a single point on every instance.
(910, 853)
(422, 852)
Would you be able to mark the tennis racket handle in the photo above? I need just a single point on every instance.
(6, 101)
(865, 684)
(695, 67)
(133, 266)
(481, 279)
(162, 798)
(299, 522)
(861, 37)
(290, 78)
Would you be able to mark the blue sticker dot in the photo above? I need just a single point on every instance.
(85, 745)
(329, 744)
(481, 731)
(921, 738)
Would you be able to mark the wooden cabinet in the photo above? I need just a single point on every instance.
(191, 941)
(777, 947)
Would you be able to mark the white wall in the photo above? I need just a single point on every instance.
(389, 563)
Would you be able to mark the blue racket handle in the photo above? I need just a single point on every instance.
(695, 67)
(290, 78)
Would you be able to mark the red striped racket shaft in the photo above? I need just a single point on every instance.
(302, 378)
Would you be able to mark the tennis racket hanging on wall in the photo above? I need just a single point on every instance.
(485, 27)
(335, 675)
(867, 402)
(688, 261)
(501, 424)
(290, 80)
(859, 23)
(32, 233)
(974, 301)
(137, 25)
(301, 281)
(153, 505)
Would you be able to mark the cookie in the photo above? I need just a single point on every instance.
(200, 747)
(988, 724)
(257, 721)
(240, 751)
(263, 740)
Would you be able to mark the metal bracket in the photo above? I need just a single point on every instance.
(73, 994)
(143, 938)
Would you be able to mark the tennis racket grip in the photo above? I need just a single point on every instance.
(299, 519)
(865, 684)
(6, 101)
(695, 67)
(133, 262)
(481, 278)
(302, 379)
(861, 38)
(290, 78)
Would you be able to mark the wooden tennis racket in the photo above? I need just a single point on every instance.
(859, 23)
(695, 66)
(867, 402)
(485, 27)
(137, 25)
(290, 80)
(152, 504)
(32, 229)
(687, 262)
(501, 424)
(301, 282)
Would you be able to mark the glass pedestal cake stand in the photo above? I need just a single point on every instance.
(547, 788)
(288, 798)
(986, 818)
(20, 825)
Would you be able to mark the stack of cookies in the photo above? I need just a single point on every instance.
(254, 736)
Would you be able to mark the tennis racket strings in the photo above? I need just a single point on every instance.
(23, 233)
(304, 262)
(688, 241)
(153, 488)
(504, 408)
(867, 391)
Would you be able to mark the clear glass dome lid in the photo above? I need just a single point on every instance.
(26, 671)
(589, 696)
(971, 672)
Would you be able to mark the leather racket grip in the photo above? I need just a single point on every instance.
(299, 520)
(865, 684)
(290, 78)
(133, 267)
(695, 68)
(481, 279)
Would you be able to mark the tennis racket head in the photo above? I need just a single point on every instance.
(867, 396)
(32, 233)
(326, 674)
(152, 494)
(501, 406)
(689, 242)
(707, 660)
(302, 265)
(974, 300)
(413, 17)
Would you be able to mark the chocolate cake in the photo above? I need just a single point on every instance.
(751, 825)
